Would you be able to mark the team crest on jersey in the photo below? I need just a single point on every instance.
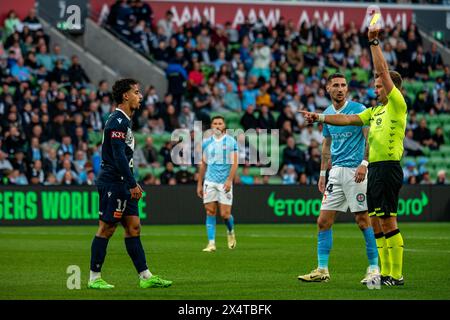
(119, 120)
(379, 120)
(129, 139)
(360, 197)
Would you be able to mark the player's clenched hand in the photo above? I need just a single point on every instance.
(321, 184)
(136, 192)
(360, 174)
(227, 185)
(200, 191)
(310, 117)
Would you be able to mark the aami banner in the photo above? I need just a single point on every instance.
(221, 11)
(180, 205)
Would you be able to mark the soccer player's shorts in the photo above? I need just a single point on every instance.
(384, 182)
(343, 192)
(215, 192)
(115, 203)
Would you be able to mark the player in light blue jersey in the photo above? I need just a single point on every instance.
(347, 183)
(220, 163)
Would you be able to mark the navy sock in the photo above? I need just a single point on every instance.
(136, 253)
(98, 253)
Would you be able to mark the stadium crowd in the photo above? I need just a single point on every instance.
(263, 76)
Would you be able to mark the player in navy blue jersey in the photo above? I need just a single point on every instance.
(118, 191)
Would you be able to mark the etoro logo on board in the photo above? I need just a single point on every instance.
(414, 206)
(298, 207)
(302, 207)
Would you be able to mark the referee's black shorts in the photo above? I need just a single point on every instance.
(385, 178)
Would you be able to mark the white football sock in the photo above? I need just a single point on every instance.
(145, 274)
(213, 242)
(94, 275)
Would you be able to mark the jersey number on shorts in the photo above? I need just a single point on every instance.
(121, 208)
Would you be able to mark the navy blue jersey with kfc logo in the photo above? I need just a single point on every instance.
(117, 151)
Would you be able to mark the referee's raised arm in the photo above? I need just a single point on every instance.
(379, 62)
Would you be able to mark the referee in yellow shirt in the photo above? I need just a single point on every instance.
(387, 123)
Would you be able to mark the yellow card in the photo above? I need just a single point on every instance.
(375, 18)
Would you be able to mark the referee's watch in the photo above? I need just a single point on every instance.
(374, 42)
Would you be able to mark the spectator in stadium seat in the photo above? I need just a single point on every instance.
(143, 11)
(321, 101)
(265, 118)
(409, 170)
(14, 140)
(77, 75)
(167, 24)
(262, 58)
(202, 101)
(303, 179)
(51, 161)
(61, 174)
(263, 97)
(150, 152)
(434, 58)
(20, 72)
(425, 179)
(313, 166)
(11, 24)
(422, 134)
(424, 102)
(19, 162)
(293, 155)
(288, 174)
(441, 177)
(245, 178)
(58, 56)
(308, 134)
(167, 174)
(389, 55)
(170, 119)
(177, 76)
(66, 147)
(16, 177)
(32, 21)
(5, 164)
(187, 117)
(285, 132)
(249, 120)
(37, 173)
(412, 180)
(183, 176)
(231, 99)
(412, 147)
(418, 68)
(43, 58)
(438, 139)
(34, 150)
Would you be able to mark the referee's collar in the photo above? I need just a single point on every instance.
(124, 113)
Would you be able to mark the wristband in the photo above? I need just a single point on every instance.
(365, 163)
(321, 117)
(323, 173)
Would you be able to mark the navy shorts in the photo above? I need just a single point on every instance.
(115, 202)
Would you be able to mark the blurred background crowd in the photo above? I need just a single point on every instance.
(52, 115)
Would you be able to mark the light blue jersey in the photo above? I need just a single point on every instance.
(347, 142)
(217, 153)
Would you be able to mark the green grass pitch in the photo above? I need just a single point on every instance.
(265, 264)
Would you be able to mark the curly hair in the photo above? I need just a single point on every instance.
(120, 87)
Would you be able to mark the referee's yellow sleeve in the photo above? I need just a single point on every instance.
(397, 101)
(365, 116)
